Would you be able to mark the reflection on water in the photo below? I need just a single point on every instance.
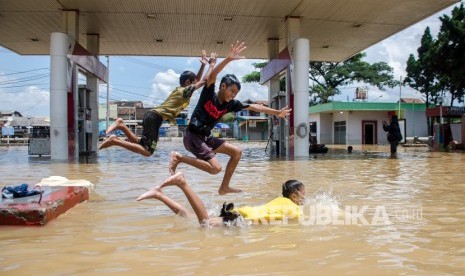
(420, 194)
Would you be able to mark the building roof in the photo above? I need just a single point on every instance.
(412, 100)
(31, 121)
(126, 110)
(10, 113)
(261, 102)
(446, 111)
(336, 29)
(138, 104)
(364, 106)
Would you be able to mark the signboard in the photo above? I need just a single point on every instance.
(252, 123)
(39, 146)
(89, 62)
(8, 131)
(275, 66)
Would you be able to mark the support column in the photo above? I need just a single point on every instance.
(462, 137)
(93, 46)
(292, 34)
(292, 29)
(273, 98)
(59, 44)
(71, 24)
(301, 58)
(299, 50)
(273, 52)
(61, 81)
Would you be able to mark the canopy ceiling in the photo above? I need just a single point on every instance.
(337, 29)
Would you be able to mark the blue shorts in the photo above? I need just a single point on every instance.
(201, 146)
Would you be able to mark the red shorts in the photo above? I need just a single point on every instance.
(200, 146)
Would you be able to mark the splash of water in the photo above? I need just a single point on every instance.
(325, 198)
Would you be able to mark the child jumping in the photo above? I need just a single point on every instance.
(210, 108)
(178, 100)
(293, 195)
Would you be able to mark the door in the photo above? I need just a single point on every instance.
(340, 133)
(369, 132)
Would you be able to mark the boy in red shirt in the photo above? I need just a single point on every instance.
(210, 108)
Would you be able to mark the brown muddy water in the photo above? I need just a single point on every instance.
(407, 216)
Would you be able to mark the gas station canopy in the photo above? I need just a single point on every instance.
(336, 29)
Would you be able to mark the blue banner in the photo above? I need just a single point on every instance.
(8, 131)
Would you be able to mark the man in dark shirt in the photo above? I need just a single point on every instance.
(394, 135)
(210, 108)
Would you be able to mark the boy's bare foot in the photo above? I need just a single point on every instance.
(176, 179)
(116, 125)
(228, 190)
(174, 161)
(155, 193)
(110, 141)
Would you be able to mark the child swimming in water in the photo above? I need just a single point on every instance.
(293, 195)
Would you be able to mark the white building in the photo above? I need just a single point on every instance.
(353, 123)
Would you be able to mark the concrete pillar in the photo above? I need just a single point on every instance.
(301, 57)
(60, 83)
(462, 136)
(273, 52)
(71, 24)
(292, 29)
(292, 26)
(273, 97)
(299, 51)
(59, 44)
(93, 46)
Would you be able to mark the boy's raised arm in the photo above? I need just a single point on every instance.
(211, 62)
(203, 61)
(234, 54)
(282, 113)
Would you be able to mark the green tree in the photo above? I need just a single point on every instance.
(449, 55)
(255, 75)
(329, 76)
(421, 74)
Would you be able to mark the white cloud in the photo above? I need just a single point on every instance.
(239, 67)
(162, 85)
(253, 91)
(30, 101)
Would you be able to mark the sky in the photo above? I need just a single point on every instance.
(25, 80)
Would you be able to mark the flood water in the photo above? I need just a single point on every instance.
(409, 216)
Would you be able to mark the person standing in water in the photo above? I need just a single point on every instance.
(393, 133)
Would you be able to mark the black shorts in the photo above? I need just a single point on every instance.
(150, 128)
(200, 146)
